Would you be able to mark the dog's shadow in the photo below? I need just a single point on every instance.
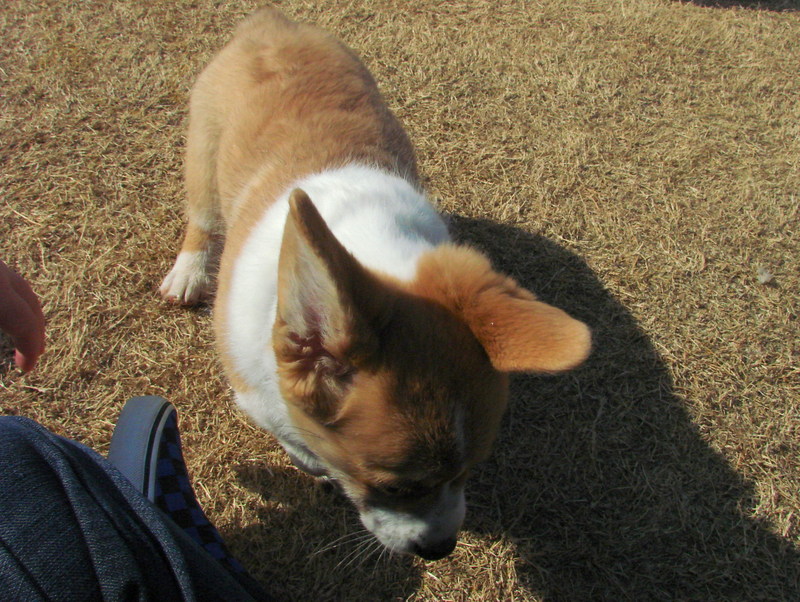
(600, 486)
(763, 5)
(599, 479)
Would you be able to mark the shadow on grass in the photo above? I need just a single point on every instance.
(769, 5)
(599, 477)
(309, 547)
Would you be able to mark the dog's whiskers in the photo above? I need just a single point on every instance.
(349, 538)
(385, 554)
(345, 562)
(366, 546)
(344, 539)
(361, 551)
(374, 548)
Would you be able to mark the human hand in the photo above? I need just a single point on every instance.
(21, 318)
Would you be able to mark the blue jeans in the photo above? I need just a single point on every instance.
(72, 527)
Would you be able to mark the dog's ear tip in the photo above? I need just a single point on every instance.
(299, 200)
(574, 348)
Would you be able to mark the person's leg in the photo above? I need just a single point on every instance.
(73, 527)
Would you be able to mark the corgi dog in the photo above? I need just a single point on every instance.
(349, 325)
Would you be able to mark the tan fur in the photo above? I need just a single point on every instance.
(397, 386)
(446, 340)
(519, 333)
(383, 375)
(280, 101)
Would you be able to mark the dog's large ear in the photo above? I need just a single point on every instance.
(319, 332)
(518, 332)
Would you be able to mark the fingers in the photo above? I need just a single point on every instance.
(21, 318)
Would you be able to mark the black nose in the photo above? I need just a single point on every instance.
(435, 551)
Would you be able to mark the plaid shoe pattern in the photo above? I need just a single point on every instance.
(175, 496)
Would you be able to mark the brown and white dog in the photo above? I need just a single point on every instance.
(374, 349)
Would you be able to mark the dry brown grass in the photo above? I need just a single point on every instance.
(634, 161)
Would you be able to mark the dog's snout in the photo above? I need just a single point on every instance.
(435, 551)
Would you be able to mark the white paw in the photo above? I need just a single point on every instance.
(188, 282)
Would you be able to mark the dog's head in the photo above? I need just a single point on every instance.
(399, 387)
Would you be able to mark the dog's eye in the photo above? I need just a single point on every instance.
(406, 490)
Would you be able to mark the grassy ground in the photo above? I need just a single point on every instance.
(634, 161)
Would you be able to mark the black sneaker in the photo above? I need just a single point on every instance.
(146, 448)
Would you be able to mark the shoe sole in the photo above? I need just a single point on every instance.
(134, 443)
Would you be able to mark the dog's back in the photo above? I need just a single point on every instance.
(283, 100)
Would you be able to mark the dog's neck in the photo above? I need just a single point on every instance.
(381, 218)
